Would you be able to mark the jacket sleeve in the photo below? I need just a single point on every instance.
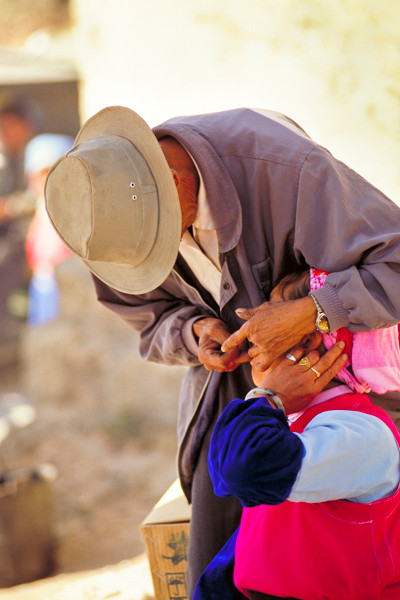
(164, 320)
(349, 228)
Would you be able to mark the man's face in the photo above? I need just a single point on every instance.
(15, 132)
(185, 177)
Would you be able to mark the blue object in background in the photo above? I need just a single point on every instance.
(43, 298)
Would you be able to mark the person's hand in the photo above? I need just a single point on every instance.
(273, 328)
(297, 384)
(211, 334)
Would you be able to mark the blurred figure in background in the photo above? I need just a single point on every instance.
(18, 125)
(44, 248)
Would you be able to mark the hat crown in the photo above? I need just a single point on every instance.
(103, 201)
(112, 199)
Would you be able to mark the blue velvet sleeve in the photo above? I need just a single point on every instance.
(253, 454)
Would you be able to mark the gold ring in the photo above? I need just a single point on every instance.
(318, 374)
(305, 362)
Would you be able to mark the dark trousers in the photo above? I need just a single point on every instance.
(213, 520)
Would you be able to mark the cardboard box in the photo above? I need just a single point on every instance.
(166, 533)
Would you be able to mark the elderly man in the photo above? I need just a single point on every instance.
(185, 224)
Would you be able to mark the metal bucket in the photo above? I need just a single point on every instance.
(27, 541)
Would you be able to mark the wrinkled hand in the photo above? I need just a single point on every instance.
(211, 334)
(297, 384)
(273, 328)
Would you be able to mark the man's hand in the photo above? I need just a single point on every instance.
(211, 334)
(272, 329)
(298, 384)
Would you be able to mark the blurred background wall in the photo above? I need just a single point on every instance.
(332, 66)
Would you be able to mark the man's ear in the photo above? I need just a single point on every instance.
(176, 177)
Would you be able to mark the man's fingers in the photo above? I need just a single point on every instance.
(234, 340)
(254, 351)
(214, 360)
(210, 328)
(241, 334)
(242, 357)
(262, 361)
(211, 334)
(246, 313)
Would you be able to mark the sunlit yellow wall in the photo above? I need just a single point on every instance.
(331, 65)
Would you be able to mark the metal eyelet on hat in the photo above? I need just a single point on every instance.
(133, 184)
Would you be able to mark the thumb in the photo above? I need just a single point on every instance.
(245, 313)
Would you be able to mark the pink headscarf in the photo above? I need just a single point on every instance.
(373, 355)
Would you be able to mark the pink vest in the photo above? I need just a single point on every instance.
(327, 551)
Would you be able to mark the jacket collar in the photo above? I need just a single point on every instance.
(221, 193)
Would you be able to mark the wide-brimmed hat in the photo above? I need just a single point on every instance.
(113, 201)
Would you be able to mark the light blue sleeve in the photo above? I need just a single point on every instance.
(348, 455)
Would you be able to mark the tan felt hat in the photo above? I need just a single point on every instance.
(113, 201)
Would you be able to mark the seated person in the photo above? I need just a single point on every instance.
(316, 466)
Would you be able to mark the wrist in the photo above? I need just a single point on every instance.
(308, 313)
(200, 322)
(189, 337)
(321, 320)
(267, 393)
(198, 325)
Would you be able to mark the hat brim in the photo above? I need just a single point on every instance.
(153, 271)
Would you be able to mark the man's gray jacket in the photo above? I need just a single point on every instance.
(280, 201)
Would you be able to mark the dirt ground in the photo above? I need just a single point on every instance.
(127, 580)
(104, 418)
